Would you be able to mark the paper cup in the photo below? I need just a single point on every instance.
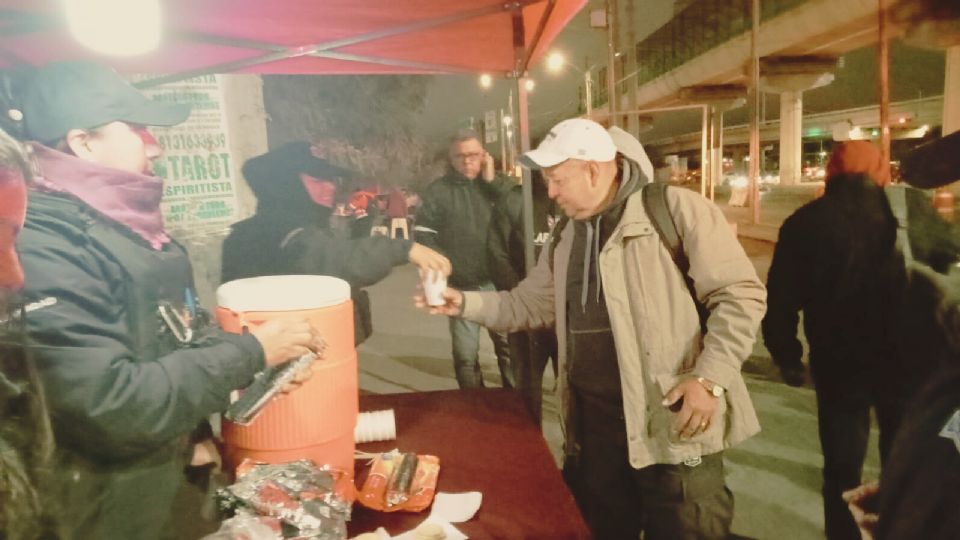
(433, 286)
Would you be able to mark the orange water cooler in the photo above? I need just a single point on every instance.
(317, 420)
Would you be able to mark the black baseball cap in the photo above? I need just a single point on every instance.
(82, 95)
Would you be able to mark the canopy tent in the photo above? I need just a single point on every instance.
(316, 37)
(310, 37)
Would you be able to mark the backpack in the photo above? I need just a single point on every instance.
(927, 318)
(654, 196)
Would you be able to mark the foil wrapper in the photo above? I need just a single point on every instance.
(301, 496)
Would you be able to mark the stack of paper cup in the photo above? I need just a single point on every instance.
(375, 426)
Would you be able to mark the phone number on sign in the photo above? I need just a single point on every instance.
(191, 141)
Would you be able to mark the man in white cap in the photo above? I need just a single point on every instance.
(651, 392)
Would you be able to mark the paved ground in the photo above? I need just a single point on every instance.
(775, 475)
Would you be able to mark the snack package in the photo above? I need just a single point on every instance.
(308, 501)
(397, 482)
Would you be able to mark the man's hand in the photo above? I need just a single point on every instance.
(452, 308)
(861, 501)
(488, 172)
(697, 410)
(304, 374)
(283, 339)
(428, 259)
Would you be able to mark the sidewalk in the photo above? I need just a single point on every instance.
(776, 205)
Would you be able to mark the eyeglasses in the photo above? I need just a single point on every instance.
(473, 156)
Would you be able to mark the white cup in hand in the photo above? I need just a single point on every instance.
(434, 284)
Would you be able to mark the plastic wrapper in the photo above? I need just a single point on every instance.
(398, 482)
(247, 527)
(267, 384)
(303, 500)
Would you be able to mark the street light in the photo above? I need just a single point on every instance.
(115, 27)
(556, 62)
(486, 81)
(529, 85)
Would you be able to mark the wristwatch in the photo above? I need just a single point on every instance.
(715, 389)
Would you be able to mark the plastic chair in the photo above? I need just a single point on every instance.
(399, 223)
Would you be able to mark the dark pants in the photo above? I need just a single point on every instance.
(666, 502)
(529, 353)
(465, 341)
(843, 411)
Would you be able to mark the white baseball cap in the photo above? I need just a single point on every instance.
(576, 138)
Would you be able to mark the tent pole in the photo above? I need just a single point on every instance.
(523, 123)
(754, 97)
(883, 58)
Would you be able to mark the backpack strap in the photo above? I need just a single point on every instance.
(555, 237)
(654, 197)
(897, 198)
(655, 204)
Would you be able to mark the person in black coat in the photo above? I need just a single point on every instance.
(131, 367)
(454, 219)
(529, 351)
(836, 261)
(290, 231)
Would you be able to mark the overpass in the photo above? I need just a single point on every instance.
(701, 57)
(910, 119)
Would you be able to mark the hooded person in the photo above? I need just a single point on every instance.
(837, 262)
(290, 231)
(130, 366)
(649, 400)
(530, 351)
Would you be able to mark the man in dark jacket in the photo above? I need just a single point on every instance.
(455, 219)
(290, 232)
(836, 262)
(129, 365)
(529, 350)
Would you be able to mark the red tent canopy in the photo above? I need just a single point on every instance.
(310, 36)
(316, 37)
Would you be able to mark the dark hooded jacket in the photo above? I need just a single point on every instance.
(125, 388)
(454, 219)
(289, 233)
(594, 371)
(836, 261)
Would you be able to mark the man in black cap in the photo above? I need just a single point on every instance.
(290, 234)
(130, 366)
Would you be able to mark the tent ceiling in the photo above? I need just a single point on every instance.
(310, 36)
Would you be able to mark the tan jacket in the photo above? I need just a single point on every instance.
(655, 324)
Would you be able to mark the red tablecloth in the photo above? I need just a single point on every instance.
(486, 442)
